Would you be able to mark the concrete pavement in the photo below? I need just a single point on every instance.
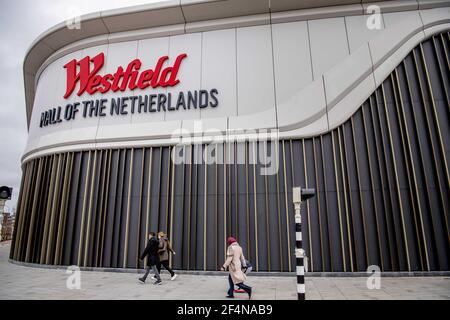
(19, 282)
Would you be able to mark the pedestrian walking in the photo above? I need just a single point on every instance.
(151, 252)
(164, 250)
(235, 259)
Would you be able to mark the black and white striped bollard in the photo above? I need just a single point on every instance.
(300, 195)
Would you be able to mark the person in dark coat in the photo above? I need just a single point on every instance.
(151, 252)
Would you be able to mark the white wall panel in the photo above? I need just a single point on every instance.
(149, 51)
(306, 105)
(329, 44)
(119, 54)
(255, 70)
(42, 102)
(189, 73)
(292, 59)
(342, 78)
(61, 86)
(358, 32)
(219, 71)
(49, 94)
(91, 123)
(390, 19)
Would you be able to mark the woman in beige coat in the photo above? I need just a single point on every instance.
(234, 261)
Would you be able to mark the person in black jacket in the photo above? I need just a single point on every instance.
(151, 252)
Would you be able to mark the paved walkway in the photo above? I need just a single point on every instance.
(19, 282)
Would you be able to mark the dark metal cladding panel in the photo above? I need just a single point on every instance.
(74, 187)
(329, 254)
(241, 196)
(92, 208)
(145, 205)
(110, 212)
(194, 209)
(164, 198)
(155, 189)
(355, 199)
(124, 207)
(80, 200)
(233, 185)
(135, 208)
(211, 207)
(38, 235)
(220, 233)
(316, 255)
(118, 210)
(200, 214)
(375, 197)
(187, 207)
(385, 205)
(177, 216)
(290, 172)
(264, 237)
(391, 173)
(272, 204)
(332, 209)
(285, 251)
(367, 207)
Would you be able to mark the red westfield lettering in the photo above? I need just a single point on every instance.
(85, 73)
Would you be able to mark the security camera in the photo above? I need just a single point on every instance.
(306, 193)
(301, 194)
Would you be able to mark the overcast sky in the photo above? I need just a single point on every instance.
(22, 21)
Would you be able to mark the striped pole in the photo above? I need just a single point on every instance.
(300, 195)
(299, 253)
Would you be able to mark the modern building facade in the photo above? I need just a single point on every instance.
(198, 117)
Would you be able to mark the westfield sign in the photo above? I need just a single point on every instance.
(84, 74)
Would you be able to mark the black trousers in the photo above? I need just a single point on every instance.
(165, 264)
(155, 271)
(241, 285)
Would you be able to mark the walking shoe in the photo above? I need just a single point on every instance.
(158, 282)
(142, 280)
(229, 296)
(173, 277)
(153, 277)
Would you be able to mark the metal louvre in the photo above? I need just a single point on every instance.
(382, 181)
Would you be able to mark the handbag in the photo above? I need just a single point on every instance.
(247, 267)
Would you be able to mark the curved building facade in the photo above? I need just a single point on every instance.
(199, 117)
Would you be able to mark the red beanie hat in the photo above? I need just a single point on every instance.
(231, 240)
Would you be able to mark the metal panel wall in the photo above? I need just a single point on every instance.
(382, 181)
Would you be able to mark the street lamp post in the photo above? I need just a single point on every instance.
(300, 195)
